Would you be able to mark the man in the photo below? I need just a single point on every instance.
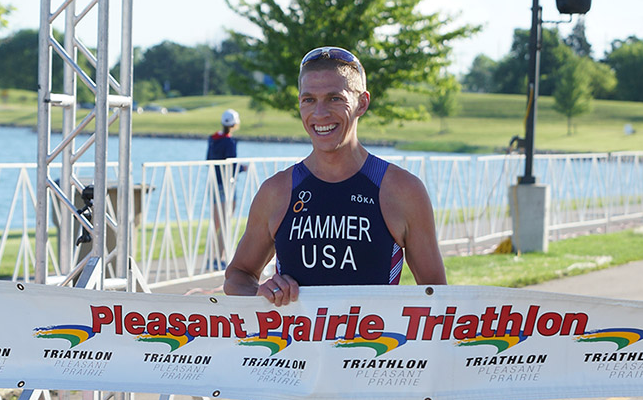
(341, 216)
(221, 145)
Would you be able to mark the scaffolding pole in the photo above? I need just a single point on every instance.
(69, 185)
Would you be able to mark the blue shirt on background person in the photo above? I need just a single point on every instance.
(221, 145)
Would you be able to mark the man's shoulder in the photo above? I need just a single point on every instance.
(273, 198)
(398, 180)
(278, 185)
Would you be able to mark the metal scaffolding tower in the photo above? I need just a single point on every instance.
(113, 101)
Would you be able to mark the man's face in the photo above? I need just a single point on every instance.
(330, 109)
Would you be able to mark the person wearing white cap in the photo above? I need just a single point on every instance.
(220, 147)
(220, 144)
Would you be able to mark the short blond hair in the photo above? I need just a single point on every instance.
(356, 77)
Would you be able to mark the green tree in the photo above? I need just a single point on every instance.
(260, 110)
(19, 64)
(19, 61)
(4, 12)
(227, 67)
(603, 80)
(573, 92)
(577, 40)
(137, 57)
(480, 76)
(181, 69)
(175, 67)
(511, 74)
(147, 90)
(398, 46)
(444, 102)
(626, 58)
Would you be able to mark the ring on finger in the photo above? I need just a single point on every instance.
(275, 290)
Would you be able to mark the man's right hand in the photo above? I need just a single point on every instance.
(279, 290)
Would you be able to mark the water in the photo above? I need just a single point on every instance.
(19, 145)
(580, 179)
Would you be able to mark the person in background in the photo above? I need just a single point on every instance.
(342, 216)
(222, 146)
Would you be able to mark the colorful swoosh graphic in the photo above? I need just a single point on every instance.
(274, 342)
(501, 343)
(385, 343)
(622, 337)
(75, 334)
(173, 341)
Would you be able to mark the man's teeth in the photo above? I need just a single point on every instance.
(324, 129)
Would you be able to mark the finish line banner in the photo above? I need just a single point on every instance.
(367, 342)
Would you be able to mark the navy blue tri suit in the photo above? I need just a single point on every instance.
(335, 234)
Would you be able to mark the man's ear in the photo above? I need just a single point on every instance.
(363, 101)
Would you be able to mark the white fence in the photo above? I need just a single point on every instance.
(184, 229)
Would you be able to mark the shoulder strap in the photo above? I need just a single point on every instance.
(299, 173)
(374, 168)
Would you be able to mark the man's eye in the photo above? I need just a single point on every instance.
(306, 100)
(336, 98)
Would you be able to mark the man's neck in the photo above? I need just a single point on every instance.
(337, 165)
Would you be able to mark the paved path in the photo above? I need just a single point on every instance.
(212, 283)
(621, 282)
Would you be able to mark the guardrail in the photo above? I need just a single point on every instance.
(18, 217)
(185, 228)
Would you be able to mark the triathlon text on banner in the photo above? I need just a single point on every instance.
(368, 342)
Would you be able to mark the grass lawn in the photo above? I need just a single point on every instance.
(568, 257)
(485, 123)
(13, 250)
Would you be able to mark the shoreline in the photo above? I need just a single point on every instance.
(274, 139)
(204, 136)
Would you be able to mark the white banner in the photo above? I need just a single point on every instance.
(368, 342)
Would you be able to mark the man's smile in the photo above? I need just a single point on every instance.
(324, 129)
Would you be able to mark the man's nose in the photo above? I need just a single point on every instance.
(321, 109)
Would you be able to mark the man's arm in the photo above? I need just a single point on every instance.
(408, 214)
(257, 246)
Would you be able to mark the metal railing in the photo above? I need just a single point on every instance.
(18, 212)
(194, 217)
(190, 218)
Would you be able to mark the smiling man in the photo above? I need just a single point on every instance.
(341, 216)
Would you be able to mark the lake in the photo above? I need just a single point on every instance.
(20, 145)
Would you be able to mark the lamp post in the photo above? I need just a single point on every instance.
(529, 201)
(535, 42)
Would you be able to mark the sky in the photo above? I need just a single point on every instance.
(206, 21)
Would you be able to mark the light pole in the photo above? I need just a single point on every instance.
(528, 200)
(535, 43)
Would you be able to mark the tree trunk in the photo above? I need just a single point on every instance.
(443, 126)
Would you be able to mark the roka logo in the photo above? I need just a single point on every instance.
(358, 198)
